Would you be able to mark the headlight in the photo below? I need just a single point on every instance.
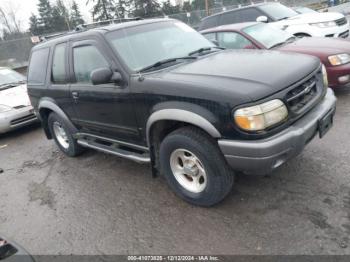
(325, 24)
(260, 117)
(340, 59)
(325, 76)
(4, 108)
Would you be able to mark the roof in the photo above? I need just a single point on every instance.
(239, 8)
(230, 27)
(98, 30)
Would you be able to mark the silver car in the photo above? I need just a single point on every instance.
(15, 108)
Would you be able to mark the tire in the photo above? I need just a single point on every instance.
(65, 142)
(301, 35)
(179, 151)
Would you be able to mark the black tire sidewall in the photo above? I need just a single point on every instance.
(205, 198)
(71, 150)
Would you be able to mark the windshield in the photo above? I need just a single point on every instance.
(267, 35)
(144, 45)
(304, 10)
(278, 11)
(8, 76)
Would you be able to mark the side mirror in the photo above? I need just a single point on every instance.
(104, 76)
(262, 19)
(249, 47)
(101, 76)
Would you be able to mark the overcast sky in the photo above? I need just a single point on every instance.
(24, 9)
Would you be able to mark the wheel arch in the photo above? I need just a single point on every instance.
(45, 107)
(180, 116)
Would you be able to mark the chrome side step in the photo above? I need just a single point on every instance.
(125, 150)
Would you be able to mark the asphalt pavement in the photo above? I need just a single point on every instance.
(101, 204)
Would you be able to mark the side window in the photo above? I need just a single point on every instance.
(86, 59)
(209, 23)
(250, 15)
(58, 74)
(210, 36)
(38, 66)
(233, 40)
(230, 18)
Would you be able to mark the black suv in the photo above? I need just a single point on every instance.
(157, 91)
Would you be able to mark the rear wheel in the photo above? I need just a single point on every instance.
(194, 167)
(63, 136)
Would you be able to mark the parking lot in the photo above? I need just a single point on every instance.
(102, 204)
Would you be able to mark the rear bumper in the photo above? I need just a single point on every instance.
(16, 118)
(335, 72)
(262, 156)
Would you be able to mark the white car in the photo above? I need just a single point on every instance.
(15, 108)
(306, 24)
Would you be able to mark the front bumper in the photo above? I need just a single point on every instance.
(17, 118)
(262, 156)
(334, 72)
(337, 31)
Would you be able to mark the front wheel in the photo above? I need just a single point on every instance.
(194, 167)
(63, 136)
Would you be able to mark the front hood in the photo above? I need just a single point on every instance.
(319, 46)
(15, 96)
(311, 18)
(251, 73)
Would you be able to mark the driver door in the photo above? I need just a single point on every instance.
(105, 109)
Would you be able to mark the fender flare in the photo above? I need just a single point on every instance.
(181, 116)
(50, 104)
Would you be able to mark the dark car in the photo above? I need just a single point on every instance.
(333, 53)
(157, 91)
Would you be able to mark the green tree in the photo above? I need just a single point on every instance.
(34, 26)
(103, 9)
(187, 6)
(60, 18)
(75, 15)
(200, 4)
(168, 8)
(46, 16)
(147, 8)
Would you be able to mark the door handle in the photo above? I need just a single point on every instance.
(75, 95)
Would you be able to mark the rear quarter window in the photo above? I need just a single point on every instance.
(38, 66)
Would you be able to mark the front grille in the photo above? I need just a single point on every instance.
(341, 21)
(22, 119)
(299, 97)
(345, 34)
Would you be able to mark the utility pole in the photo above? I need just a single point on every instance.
(207, 7)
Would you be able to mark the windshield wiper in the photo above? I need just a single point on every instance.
(283, 18)
(165, 61)
(276, 45)
(203, 49)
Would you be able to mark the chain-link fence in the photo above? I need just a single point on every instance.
(15, 53)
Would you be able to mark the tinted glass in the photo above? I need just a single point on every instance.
(233, 40)
(210, 36)
(278, 11)
(230, 18)
(250, 15)
(38, 66)
(87, 59)
(209, 23)
(267, 35)
(58, 64)
(144, 45)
